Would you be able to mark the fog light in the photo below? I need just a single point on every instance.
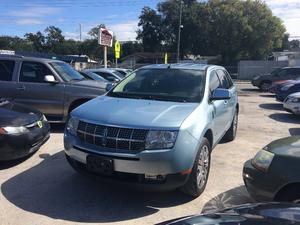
(154, 177)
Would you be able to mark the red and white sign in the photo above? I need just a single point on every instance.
(105, 37)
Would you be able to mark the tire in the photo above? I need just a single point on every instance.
(230, 135)
(291, 194)
(265, 86)
(196, 183)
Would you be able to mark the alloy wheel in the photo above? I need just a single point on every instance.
(203, 166)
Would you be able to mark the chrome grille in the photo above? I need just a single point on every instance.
(112, 137)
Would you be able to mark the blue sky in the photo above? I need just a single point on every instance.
(18, 17)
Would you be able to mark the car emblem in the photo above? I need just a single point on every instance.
(40, 124)
(104, 137)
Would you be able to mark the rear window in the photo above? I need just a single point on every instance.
(6, 70)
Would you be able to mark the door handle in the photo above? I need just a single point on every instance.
(225, 102)
(22, 88)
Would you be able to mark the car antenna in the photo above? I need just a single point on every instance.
(169, 66)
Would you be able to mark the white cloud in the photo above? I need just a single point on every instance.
(29, 21)
(288, 11)
(125, 31)
(35, 12)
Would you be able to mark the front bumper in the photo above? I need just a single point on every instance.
(261, 186)
(20, 145)
(293, 107)
(168, 163)
(135, 180)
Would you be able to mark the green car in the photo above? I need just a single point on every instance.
(273, 174)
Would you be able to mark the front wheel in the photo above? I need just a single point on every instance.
(265, 86)
(197, 180)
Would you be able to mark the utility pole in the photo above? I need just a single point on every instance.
(80, 31)
(179, 32)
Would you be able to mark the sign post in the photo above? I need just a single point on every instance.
(166, 58)
(117, 52)
(105, 38)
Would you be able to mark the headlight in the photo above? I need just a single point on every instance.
(13, 130)
(292, 99)
(160, 139)
(72, 125)
(286, 87)
(263, 160)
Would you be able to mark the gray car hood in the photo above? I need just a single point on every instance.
(134, 112)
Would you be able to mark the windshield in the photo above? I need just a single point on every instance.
(66, 71)
(119, 74)
(95, 76)
(107, 76)
(275, 72)
(182, 85)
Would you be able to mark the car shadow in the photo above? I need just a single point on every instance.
(294, 131)
(11, 163)
(53, 189)
(285, 118)
(268, 95)
(250, 90)
(272, 106)
(231, 198)
(57, 127)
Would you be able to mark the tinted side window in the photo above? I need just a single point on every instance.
(282, 72)
(107, 76)
(294, 72)
(6, 70)
(223, 80)
(214, 81)
(229, 80)
(33, 72)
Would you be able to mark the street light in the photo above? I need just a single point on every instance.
(179, 32)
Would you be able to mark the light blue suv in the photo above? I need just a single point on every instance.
(156, 128)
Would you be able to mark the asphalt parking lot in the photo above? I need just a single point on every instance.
(44, 189)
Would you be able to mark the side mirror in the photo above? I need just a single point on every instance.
(109, 86)
(220, 94)
(50, 79)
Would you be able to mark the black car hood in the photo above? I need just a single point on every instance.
(289, 146)
(90, 83)
(249, 214)
(13, 114)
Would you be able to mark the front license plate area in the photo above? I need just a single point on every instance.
(100, 165)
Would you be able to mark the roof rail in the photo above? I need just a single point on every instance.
(12, 56)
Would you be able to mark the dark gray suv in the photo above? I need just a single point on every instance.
(51, 86)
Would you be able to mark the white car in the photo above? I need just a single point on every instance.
(292, 103)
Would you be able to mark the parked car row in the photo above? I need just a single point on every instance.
(155, 128)
(285, 84)
(34, 91)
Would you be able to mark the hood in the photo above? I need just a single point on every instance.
(289, 146)
(295, 95)
(90, 83)
(258, 213)
(134, 112)
(12, 114)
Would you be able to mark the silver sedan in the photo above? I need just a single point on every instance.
(292, 103)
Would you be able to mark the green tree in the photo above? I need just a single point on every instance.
(294, 44)
(94, 32)
(151, 30)
(234, 29)
(37, 40)
(54, 39)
